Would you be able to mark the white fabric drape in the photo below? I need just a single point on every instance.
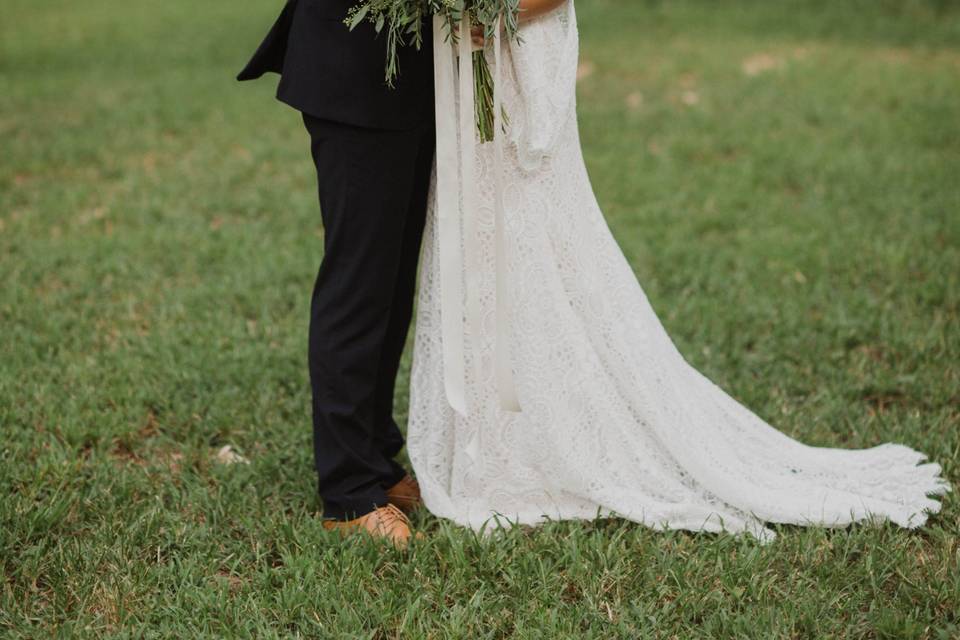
(457, 204)
(614, 420)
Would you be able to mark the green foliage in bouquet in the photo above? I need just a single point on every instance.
(402, 22)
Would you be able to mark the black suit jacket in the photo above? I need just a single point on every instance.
(330, 72)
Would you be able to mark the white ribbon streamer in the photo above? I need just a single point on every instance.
(457, 206)
(448, 218)
(468, 191)
(505, 384)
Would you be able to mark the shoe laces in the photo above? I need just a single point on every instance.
(390, 517)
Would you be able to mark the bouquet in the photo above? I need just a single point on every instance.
(402, 22)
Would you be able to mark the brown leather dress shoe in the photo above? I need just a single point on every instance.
(405, 494)
(387, 522)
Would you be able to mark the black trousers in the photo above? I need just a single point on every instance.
(373, 191)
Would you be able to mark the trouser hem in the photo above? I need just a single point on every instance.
(353, 508)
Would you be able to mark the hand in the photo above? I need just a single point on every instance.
(530, 9)
(477, 36)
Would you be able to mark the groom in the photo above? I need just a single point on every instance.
(373, 149)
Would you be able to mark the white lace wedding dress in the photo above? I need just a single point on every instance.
(614, 421)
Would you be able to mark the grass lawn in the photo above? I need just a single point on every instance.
(783, 176)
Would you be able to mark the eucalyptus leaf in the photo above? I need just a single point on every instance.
(358, 16)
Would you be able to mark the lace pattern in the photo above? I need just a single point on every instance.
(614, 420)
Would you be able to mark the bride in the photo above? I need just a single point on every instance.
(596, 413)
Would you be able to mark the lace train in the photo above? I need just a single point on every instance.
(614, 420)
